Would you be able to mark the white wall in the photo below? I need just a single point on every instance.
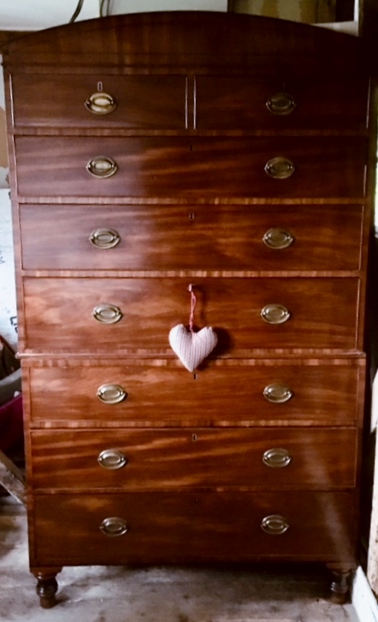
(138, 6)
(8, 312)
(39, 14)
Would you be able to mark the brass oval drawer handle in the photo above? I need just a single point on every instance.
(100, 103)
(113, 526)
(106, 313)
(279, 168)
(277, 393)
(276, 458)
(105, 238)
(274, 525)
(102, 167)
(275, 314)
(112, 459)
(111, 393)
(277, 238)
(281, 104)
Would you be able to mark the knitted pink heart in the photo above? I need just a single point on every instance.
(192, 348)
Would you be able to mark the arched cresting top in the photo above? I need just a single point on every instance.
(191, 40)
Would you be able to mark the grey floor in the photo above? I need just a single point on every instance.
(111, 594)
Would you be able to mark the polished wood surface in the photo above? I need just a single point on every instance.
(192, 528)
(151, 41)
(229, 102)
(159, 102)
(159, 393)
(154, 237)
(195, 458)
(190, 167)
(143, 102)
(191, 126)
(156, 305)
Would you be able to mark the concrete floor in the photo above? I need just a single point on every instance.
(117, 594)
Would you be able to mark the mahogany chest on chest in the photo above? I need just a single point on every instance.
(153, 154)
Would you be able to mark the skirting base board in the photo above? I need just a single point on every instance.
(363, 599)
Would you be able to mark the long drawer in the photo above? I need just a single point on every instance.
(156, 392)
(164, 102)
(190, 167)
(194, 459)
(168, 528)
(152, 237)
(299, 313)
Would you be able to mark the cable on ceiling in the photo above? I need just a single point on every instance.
(77, 11)
(104, 8)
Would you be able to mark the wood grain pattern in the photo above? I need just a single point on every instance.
(192, 528)
(144, 102)
(191, 135)
(232, 102)
(190, 167)
(195, 459)
(166, 394)
(178, 102)
(150, 41)
(7, 36)
(59, 313)
(176, 238)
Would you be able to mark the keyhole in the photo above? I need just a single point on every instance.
(99, 86)
(191, 215)
(194, 437)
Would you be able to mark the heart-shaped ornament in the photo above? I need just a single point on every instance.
(192, 348)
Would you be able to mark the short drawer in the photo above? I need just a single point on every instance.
(153, 237)
(141, 102)
(153, 393)
(137, 314)
(190, 167)
(194, 459)
(160, 528)
(228, 102)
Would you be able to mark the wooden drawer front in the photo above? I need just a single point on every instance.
(182, 238)
(144, 102)
(160, 393)
(322, 313)
(159, 102)
(196, 458)
(242, 102)
(190, 167)
(201, 527)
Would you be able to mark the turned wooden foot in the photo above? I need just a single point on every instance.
(47, 586)
(340, 585)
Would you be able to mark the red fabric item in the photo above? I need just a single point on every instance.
(11, 428)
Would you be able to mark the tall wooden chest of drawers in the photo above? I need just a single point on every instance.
(156, 153)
